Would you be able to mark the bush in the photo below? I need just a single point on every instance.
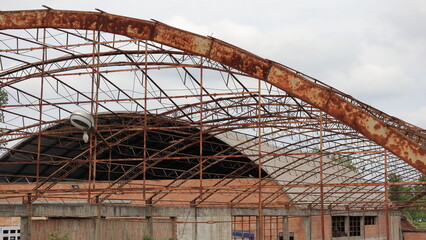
(56, 235)
(148, 238)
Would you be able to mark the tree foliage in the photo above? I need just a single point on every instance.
(345, 161)
(398, 194)
(57, 235)
(401, 194)
(3, 101)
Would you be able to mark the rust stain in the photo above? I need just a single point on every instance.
(377, 127)
(182, 40)
(406, 149)
(126, 26)
(357, 119)
(371, 127)
(71, 19)
(298, 86)
(22, 19)
(239, 59)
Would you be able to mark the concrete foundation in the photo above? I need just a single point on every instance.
(87, 221)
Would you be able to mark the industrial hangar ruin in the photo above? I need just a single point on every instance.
(121, 128)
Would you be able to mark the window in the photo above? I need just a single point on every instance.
(338, 226)
(343, 226)
(5, 238)
(354, 226)
(370, 220)
(5, 231)
(12, 231)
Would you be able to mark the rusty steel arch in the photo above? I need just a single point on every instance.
(404, 140)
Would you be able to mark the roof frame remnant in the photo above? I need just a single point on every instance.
(391, 137)
(291, 109)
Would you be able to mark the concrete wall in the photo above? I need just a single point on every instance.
(105, 229)
(205, 223)
(395, 227)
(10, 221)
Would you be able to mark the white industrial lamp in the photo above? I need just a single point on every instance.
(83, 121)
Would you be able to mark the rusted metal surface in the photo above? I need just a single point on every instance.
(227, 129)
(317, 95)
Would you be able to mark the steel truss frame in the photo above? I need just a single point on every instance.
(169, 104)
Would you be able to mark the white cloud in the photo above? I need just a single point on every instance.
(418, 117)
(372, 81)
(372, 63)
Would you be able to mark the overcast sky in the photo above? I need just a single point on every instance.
(372, 50)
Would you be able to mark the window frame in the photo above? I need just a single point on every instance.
(338, 226)
(343, 226)
(355, 226)
(370, 220)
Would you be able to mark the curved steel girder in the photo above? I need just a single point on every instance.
(284, 78)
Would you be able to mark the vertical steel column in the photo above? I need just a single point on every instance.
(321, 179)
(89, 190)
(259, 141)
(40, 107)
(387, 196)
(201, 130)
(94, 110)
(145, 120)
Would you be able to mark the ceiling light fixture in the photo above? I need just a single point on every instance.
(83, 121)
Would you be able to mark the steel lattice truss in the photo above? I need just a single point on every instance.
(169, 115)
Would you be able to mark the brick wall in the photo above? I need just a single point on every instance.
(297, 225)
(414, 235)
(317, 228)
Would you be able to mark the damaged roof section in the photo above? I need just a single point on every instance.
(170, 104)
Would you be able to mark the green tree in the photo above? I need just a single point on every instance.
(422, 187)
(345, 161)
(398, 194)
(418, 213)
(3, 101)
(402, 195)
